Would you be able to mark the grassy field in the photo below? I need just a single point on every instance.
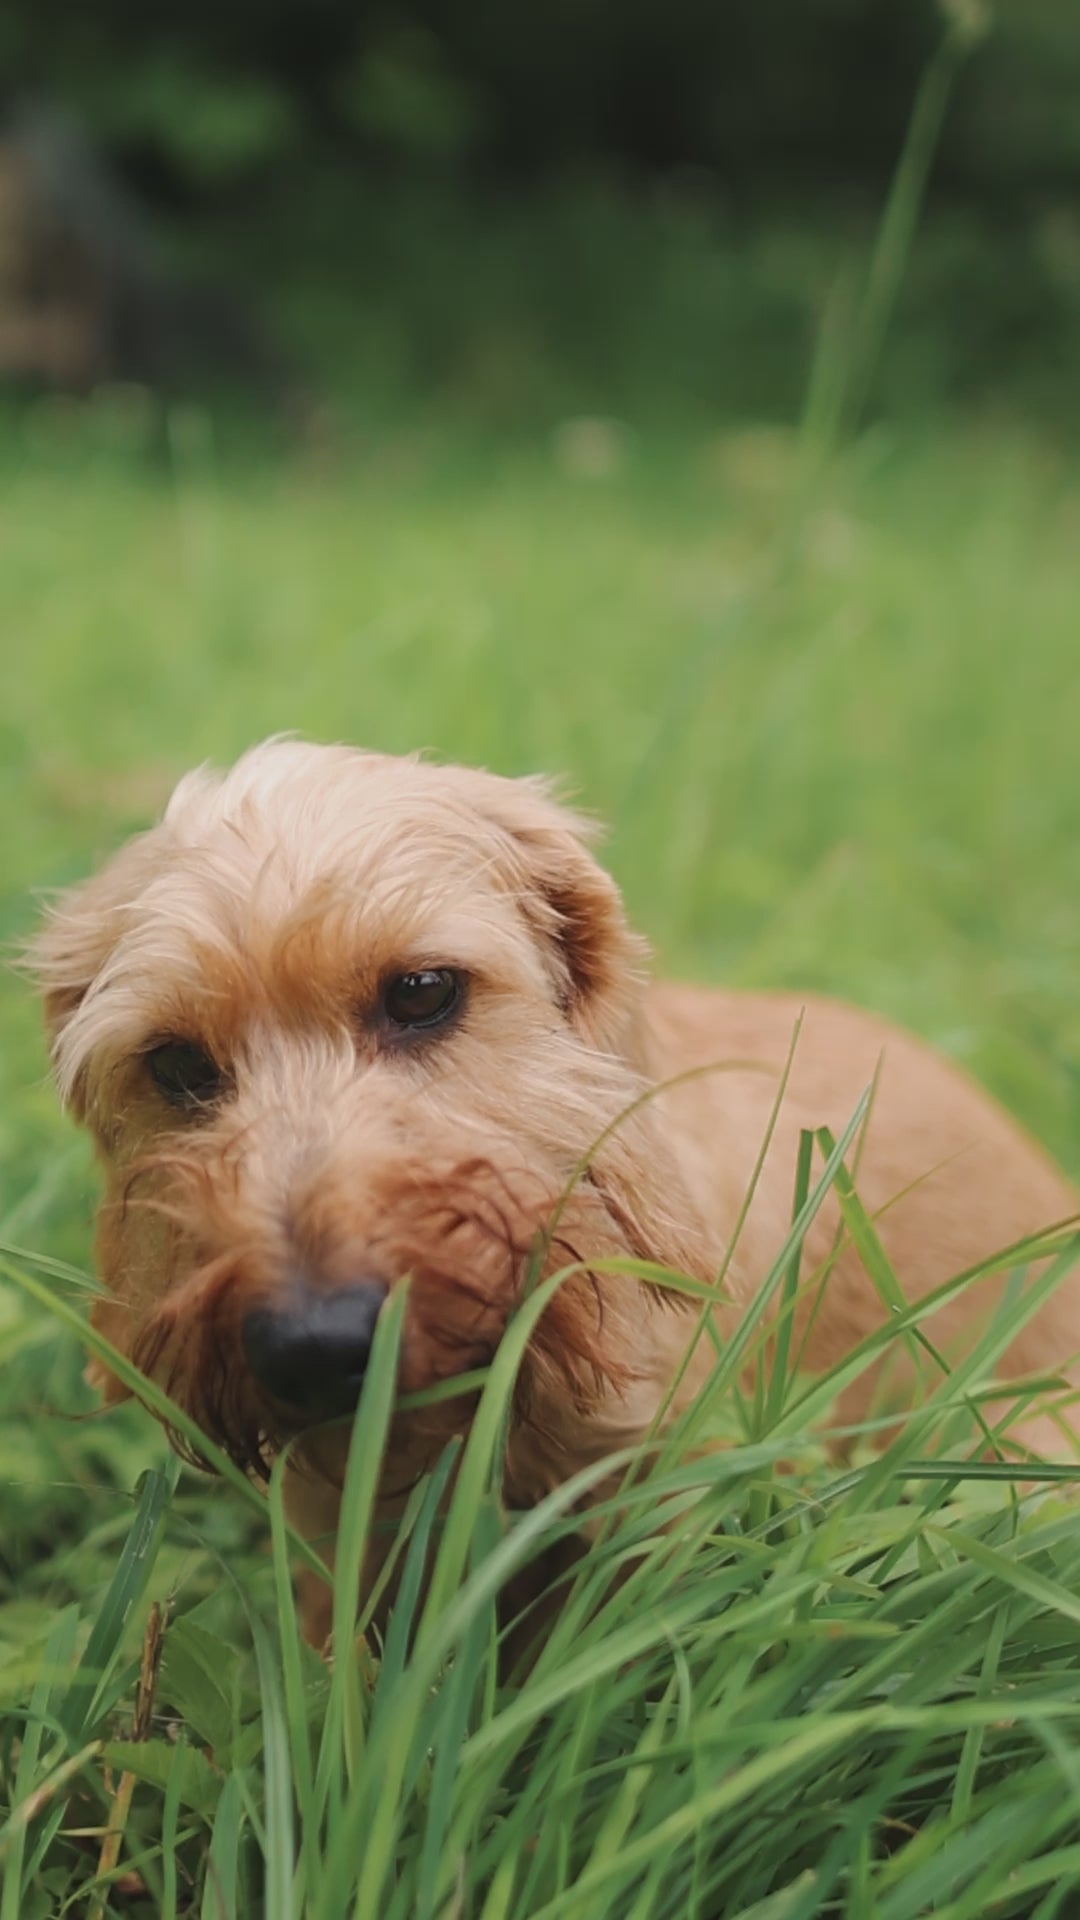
(834, 733)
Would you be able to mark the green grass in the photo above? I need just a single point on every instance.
(827, 703)
(851, 767)
(830, 707)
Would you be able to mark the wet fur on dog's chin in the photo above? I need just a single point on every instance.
(472, 1238)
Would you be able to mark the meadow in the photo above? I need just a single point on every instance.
(832, 728)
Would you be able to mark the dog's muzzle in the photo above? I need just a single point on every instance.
(312, 1353)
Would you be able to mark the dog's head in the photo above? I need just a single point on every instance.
(341, 1018)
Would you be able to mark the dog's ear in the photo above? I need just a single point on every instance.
(65, 957)
(574, 908)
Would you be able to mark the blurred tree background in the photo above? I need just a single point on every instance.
(600, 205)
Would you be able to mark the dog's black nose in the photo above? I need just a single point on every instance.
(312, 1352)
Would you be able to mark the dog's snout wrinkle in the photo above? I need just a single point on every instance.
(312, 1352)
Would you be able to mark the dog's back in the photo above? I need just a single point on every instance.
(947, 1176)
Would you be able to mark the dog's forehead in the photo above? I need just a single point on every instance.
(307, 878)
(303, 835)
(291, 818)
(287, 889)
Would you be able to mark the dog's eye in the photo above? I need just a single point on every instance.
(184, 1074)
(422, 999)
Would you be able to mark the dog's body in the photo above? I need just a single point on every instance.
(342, 1018)
(948, 1177)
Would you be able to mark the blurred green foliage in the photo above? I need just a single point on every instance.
(760, 93)
(627, 209)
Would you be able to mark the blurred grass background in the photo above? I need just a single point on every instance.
(493, 448)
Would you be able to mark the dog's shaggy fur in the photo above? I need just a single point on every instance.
(260, 920)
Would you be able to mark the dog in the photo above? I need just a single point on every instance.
(343, 1017)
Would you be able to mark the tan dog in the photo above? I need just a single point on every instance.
(342, 1017)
